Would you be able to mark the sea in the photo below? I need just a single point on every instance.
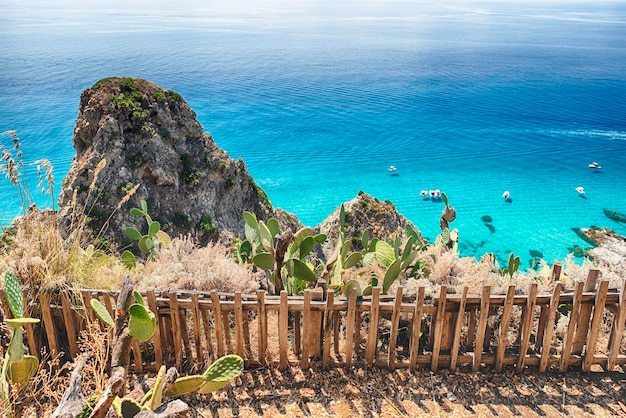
(321, 97)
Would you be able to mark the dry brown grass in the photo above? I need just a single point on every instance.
(184, 265)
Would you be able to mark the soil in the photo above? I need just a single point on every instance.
(375, 393)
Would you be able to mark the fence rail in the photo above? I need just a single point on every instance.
(323, 330)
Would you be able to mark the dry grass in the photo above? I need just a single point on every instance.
(184, 265)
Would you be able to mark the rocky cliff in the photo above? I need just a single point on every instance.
(153, 149)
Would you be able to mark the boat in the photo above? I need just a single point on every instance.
(437, 193)
(431, 193)
(423, 193)
(580, 189)
(595, 165)
(392, 168)
(506, 194)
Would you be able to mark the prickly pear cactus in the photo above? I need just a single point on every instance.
(221, 372)
(13, 292)
(101, 312)
(142, 322)
(185, 385)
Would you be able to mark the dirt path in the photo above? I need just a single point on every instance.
(375, 393)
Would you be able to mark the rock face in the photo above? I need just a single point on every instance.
(610, 248)
(364, 212)
(155, 149)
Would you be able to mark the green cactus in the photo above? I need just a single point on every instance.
(221, 372)
(344, 259)
(101, 312)
(17, 368)
(185, 385)
(512, 266)
(148, 243)
(141, 323)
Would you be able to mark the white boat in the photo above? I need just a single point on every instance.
(423, 192)
(580, 189)
(431, 193)
(506, 194)
(392, 168)
(595, 165)
(437, 193)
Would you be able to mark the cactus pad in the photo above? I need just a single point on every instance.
(185, 385)
(102, 312)
(142, 322)
(221, 372)
(13, 292)
(20, 371)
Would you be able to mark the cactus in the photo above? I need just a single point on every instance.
(17, 367)
(148, 243)
(512, 266)
(142, 322)
(448, 215)
(221, 372)
(101, 312)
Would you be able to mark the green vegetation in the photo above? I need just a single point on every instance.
(130, 100)
(206, 224)
(188, 175)
(149, 242)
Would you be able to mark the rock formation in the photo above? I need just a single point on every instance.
(610, 248)
(155, 150)
(364, 212)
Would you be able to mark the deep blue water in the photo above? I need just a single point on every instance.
(319, 97)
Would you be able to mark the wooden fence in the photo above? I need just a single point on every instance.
(323, 330)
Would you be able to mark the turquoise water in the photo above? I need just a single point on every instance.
(320, 97)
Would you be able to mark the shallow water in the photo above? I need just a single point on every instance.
(320, 97)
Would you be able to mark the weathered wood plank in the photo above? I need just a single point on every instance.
(350, 324)
(262, 325)
(329, 322)
(584, 317)
(239, 344)
(416, 327)
(70, 323)
(156, 337)
(505, 322)
(46, 313)
(596, 322)
(297, 333)
(568, 339)
(437, 336)
(372, 336)
(456, 342)
(618, 329)
(197, 335)
(283, 329)
(395, 323)
(217, 323)
(482, 327)
(549, 328)
(528, 315)
(307, 330)
(176, 332)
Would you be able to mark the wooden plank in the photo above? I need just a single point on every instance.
(471, 327)
(416, 327)
(544, 313)
(306, 330)
(526, 325)
(138, 358)
(549, 329)
(30, 332)
(226, 327)
(106, 296)
(197, 335)
(316, 324)
(372, 336)
(336, 326)
(207, 331)
(329, 322)
(456, 342)
(70, 324)
(584, 317)
(350, 324)
(176, 332)
(283, 329)
(568, 339)
(618, 329)
(239, 343)
(482, 326)
(395, 323)
(246, 331)
(158, 345)
(262, 325)
(297, 333)
(86, 295)
(598, 313)
(217, 322)
(505, 322)
(48, 322)
(437, 336)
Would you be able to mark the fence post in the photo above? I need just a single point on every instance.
(44, 299)
(158, 345)
(584, 318)
(239, 331)
(283, 329)
(437, 337)
(416, 328)
(571, 327)
(350, 323)
(526, 325)
(618, 329)
(485, 298)
(505, 321)
(395, 323)
(372, 337)
(217, 322)
(549, 329)
(456, 343)
(262, 318)
(592, 336)
(329, 322)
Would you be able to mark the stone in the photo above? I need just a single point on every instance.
(173, 409)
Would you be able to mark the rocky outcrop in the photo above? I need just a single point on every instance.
(364, 212)
(610, 248)
(153, 149)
